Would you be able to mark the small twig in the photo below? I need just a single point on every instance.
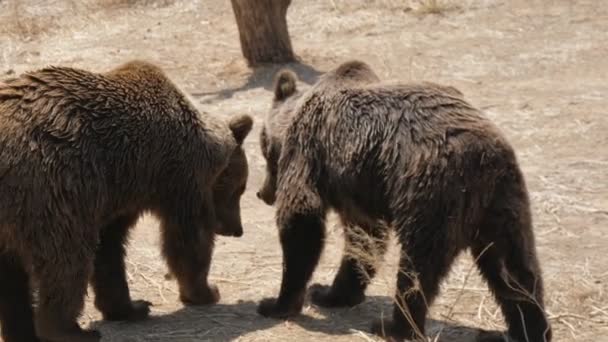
(466, 279)
(597, 310)
(472, 289)
(572, 329)
(559, 317)
(230, 281)
(480, 307)
(361, 334)
(333, 4)
(158, 286)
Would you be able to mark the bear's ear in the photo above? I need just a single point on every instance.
(240, 127)
(284, 84)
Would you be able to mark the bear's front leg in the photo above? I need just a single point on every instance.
(16, 315)
(63, 274)
(302, 237)
(109, 279)
(188, 247)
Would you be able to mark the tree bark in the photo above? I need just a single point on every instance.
(263, 31)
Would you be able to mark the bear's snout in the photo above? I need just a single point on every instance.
(229, 225)
(267, 196)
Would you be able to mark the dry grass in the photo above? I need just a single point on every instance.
(111, 4)
(28, 20)
(425, 7)
(24, 22)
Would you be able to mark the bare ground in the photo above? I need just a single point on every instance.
(538, 68)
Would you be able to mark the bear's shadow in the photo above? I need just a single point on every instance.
(219, 322)
(228, 322)
(358, 320)
(261, 77)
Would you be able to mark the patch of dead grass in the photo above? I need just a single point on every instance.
(27, 20)
(112, 4)
(420, 7)
(426, 7)
(20, 22)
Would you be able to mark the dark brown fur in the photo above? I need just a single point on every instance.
(82, 156)
(285, 102)
(416, 158)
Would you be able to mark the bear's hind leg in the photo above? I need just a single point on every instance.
(363, 249)
(505, 251)
(109, 280)
(16, 316)
(517, 287)
(426, 256)
(512, 272)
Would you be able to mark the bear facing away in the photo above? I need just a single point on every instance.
(82, 156)
(416, 158)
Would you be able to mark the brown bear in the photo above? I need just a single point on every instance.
(416, 158)
(82, 156)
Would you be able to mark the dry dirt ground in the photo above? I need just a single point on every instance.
(538, 68)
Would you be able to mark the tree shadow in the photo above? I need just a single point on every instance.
(261, 77)
(358, 319)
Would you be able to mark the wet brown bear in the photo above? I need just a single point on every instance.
(413, 157)
(82, 156)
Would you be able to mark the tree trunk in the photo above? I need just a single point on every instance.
(263, 30)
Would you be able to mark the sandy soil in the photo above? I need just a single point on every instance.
(538, 68)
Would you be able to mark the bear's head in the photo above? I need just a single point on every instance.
(271, 136)
(232, 181)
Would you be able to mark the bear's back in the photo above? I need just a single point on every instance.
(68, 133)
(415, 113)
(131, 107)
(398, 130)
